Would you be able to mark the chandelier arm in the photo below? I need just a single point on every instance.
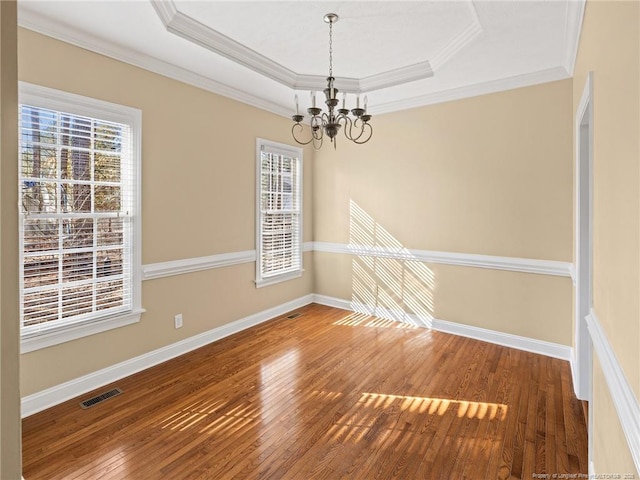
(293, 134)
(360, 124)
(357, 139)
(347, 126)
(317, 127)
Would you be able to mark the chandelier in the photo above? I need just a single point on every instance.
(358, 129)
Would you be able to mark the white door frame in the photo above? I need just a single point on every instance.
(582, 356)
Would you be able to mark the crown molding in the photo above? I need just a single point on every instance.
(391, 78)
(572, 30)
(319, 83)
(459, 41)
(398, 76)
(493, 86)
(190, 29)
(40, 24)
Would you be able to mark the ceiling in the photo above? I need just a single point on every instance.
(401, 54)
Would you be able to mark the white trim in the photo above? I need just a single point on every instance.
(44, 26)
(319, 83)
(492, 86)
(40, 24)
(52, 396)
(526, 344)
(393, 78)
(184, 26)
(572, 273)
(151, 271)
(39, 96)
(572, 29)
(332, 302)
(196, 32)
(177, 267)
(526, 265)
(460, 41)
(283, 277)
(583, 238)
(75, 331)
(58, 100)
(279, 149)
(624, 399)
(541, 347)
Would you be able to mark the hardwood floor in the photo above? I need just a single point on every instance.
(328, 395)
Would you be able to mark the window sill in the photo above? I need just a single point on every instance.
(55, 336)
(265, 282)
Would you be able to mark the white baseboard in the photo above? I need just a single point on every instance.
(624, 399)
(52, 396)
(332, 301)
(541, 347)
(574, 373)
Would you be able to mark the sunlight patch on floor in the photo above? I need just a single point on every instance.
(364, 320)
(436, 406)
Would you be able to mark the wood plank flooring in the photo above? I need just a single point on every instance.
(327, 395)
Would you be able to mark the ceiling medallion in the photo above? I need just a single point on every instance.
(358, 129)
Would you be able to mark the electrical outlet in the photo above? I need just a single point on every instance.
(177, 320)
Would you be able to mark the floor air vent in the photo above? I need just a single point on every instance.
(100, 398)
(294, 315)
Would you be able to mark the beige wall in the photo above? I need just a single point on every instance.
(486, 175)
(610, 47)
(198, 199)
(10, 441)
(610, 451)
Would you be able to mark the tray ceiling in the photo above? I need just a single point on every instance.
(401, 54)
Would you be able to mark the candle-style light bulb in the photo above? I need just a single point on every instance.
(344, 100)
(313, 99)
(365, 104)
(297, 108)
(358, 101)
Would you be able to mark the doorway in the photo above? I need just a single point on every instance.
(582, 360)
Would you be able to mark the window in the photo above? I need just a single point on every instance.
(279, 212)
(79, 216)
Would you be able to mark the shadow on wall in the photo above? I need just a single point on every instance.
(388, 281)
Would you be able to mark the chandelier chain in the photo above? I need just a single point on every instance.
(331, 49)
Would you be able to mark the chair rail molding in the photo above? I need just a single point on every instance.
(526, 265)
(151, 271)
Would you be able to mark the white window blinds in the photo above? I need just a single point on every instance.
(78, 201)
(279, 249)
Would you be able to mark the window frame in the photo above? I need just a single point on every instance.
(61, 101)
(282, 149)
